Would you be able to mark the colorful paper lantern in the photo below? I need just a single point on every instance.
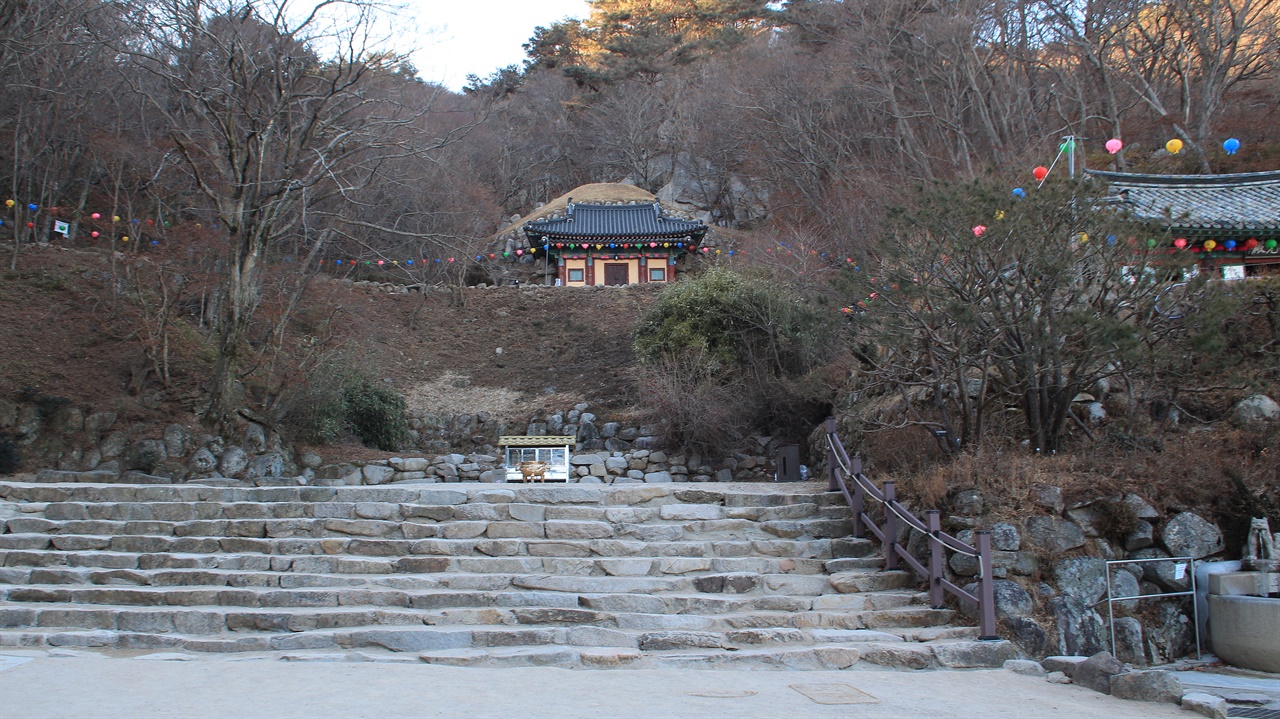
(31, 225)
(1180, 243)
(1209, 245)
(1271, 244)
(1252, 243)
(1230, 245)
(1114, 145)
(1174, 146)
(124, 239)
(1231, 145)
(1111, 240)
(95, 216)
(978, 230)
(1040, 173)
(93, 234)
(9, 203)
(115, 218)
(33, 207)
(1019, 192)
(380, 262)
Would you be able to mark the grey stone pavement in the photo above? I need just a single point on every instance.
(34, 685)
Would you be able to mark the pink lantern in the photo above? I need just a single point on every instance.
(94, 233)
(978, 230)
(519, 252)
(1180, 243)
(95, 215)
(1114, 145)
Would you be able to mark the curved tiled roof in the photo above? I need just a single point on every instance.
(1246, 202)
(583, 221)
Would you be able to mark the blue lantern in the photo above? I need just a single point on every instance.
(1111, 239)
(33, 207)
(1019, 192)
(408, 262)
(1231, 145)
(337, 262)
(1230, 245)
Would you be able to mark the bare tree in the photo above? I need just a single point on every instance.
(265, 127)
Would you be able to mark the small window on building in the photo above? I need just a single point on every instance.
(657, 274)
(576, 275)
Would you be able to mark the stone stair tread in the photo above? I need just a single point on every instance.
(820, 548)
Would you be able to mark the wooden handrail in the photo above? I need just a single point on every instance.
(844, 470)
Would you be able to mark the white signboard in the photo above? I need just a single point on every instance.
(1233, 272)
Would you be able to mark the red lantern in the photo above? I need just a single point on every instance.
(492, 255)
(31, 225)
(1252, 243)
(1040, 173)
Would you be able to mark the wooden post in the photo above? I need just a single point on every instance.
(859, 499)
(833, 485)
(890, 529)
(986, 590)
(936, 555)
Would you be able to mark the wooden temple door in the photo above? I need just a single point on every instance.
(615, 274)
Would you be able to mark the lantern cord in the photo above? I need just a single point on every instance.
(1051, 166)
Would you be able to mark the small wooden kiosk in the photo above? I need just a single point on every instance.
(550, 450)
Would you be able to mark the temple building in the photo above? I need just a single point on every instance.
(613, 244)
(1232, 222)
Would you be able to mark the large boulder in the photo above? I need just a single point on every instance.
(1254, 411)
(1097, 672)
(1150, 686)
(1054, 534)
(233, 461)
(270, 464)
(1190, 535)
(1005, 537)
(1026, 633)
(1011, 599)
(145, 455)
(1082, 577)
(177, 440)
(1129, 645)
(1081, 631)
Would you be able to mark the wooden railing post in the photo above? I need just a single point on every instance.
(890, 529)
(833, 463)
(936, 555)
(859, 500)
(986, 590)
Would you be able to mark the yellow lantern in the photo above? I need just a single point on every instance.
(124, 239)
(1083, 237)
(1209, 245)
(9, 203)
(1174, 146)
(999, 214)
(115, 218)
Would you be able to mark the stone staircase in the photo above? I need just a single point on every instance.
(649, 576)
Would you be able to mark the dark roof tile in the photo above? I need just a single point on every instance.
(609, 221)
(1246, 202)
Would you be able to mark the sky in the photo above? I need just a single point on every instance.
(456, 38)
